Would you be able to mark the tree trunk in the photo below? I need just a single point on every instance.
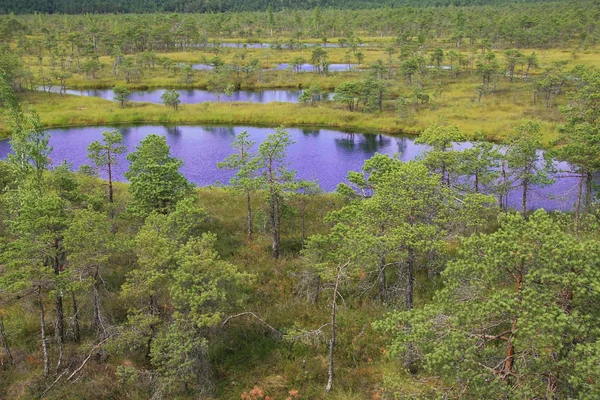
(43, 333)
(382, 281)
(59, 342)
(274, 233)
(76, 330)
(510, 347)
(524, 198)
(249, 208)
(510, 355)
(110, 184)
(154, 311)
(588, 190)
(303, 212)
(579, 199)
(100, 329)
(315, 298)
(444, 180)
(60, 317)
(274, 217)
(5, 342)
(410, 277)
(331, 371)
(503, 191)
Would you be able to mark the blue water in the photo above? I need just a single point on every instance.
(193, 96)
(311, 68)
(319, 154)
(268, 45)
(284, 66)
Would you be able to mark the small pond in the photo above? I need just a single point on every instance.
(193, 96)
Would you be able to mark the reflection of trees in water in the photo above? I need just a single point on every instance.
(123, 130)
(258, 97)
(188, 96)
(366, 143)
(402, 144)
(346, 143)
(373, 143)
(311, 132)
(103, 94)
(225, 132)
(173, 130)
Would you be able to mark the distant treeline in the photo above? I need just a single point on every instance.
(149, 6)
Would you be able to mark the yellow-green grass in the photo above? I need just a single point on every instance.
(56, 110)
(268, 57)
(495, 116)
(159, 78)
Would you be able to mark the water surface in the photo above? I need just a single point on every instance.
(319, 154)
(311, 68)
(241, 45)
(193, 96)
(281, 67)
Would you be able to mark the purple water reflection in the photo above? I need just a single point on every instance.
(194, 96)
(320, 154)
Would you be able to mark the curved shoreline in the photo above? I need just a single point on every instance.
(80, 111)
(58, 111)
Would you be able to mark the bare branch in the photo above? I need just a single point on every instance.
(275, 331)
(88, 357)
(53, 383)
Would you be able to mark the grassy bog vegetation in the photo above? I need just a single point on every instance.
(412, 280)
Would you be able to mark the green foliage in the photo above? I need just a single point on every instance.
(89, 243)
(162, 284)
(156, 183)
(203, 284)
(171, 98)
(528, 167)
(441, 158)
(179, 354)
(276, 179)
(480, 165)
(122, 94)
(312, 95)
(201, 287)
(320, 60)
(363, 183)
(218, 84)
(105, 155)
(579, 139)
(409, 68)
(10, 67)
(369, 93)
(527, 311)
(398, 223)
(246, 165)
(29, 143)
(244, 162)
(347, 93)
(37, 221)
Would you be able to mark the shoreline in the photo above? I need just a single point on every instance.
(59, 111)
